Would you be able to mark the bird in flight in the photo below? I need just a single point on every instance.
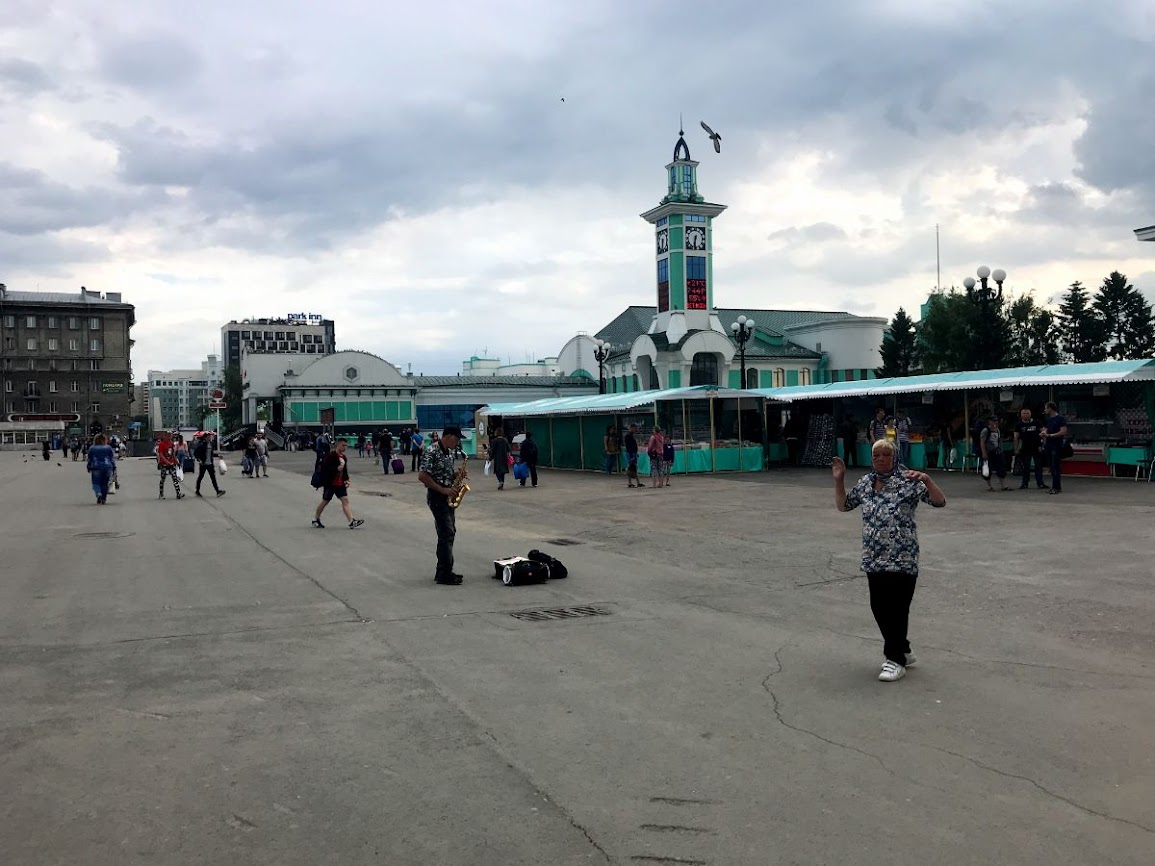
(714, 137)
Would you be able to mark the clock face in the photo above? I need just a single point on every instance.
(663, 241)
(695, 239)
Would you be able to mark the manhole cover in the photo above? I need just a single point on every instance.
(376, 493)
(562, 542)
(103, 534)
(560, 613)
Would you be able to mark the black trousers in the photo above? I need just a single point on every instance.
(1025, 458)
(532, 474)
(445, 519)
(890, 595)
(212, 473)
(850, 449)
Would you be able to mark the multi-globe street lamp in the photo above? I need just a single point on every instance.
(743, 330)
(601, 354)
(986, 294)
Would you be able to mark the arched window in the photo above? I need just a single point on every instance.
(804, 376)
(655, 385)
(637, 387)
(751, 378)
(780, 378)
(704, 370)
(613, 384)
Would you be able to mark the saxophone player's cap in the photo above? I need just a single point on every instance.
(451, 430)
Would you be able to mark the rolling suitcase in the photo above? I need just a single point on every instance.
(397, 465)
(190, 466)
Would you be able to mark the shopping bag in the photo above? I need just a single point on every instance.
(511, 461)
(488, 468)
(520, 471)
(179, 472)
(986, 469)
(222, 467)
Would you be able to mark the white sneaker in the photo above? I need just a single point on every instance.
(891, 671)
(911, 661)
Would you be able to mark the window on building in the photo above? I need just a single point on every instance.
(73, 345)
(75, 386)
(704, 369)
(268, 335)
(7, 363)
(751, 378)
(93, 365)
(94, 407)
(804, 376)
(695, 267)
(32, 389)
(75, 407)
(687, 179)
(9, 342)
(695, 218)
(246, 335)
(52, 386)
(780, 378)
(31, 344)
(662, 222)
(53, 322)
(9, 406)
(29, 321)
(53, 344)
(8, 386)
(654, 385)
(73, 323)
(94, 345)
(53, 406)
(9, 321)
(93, 323)
(52, 364)
(31, 363)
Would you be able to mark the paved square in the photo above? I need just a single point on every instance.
(212, 681)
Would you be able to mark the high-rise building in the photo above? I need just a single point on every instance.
(66, 357)
(176, 396)
(295, 334)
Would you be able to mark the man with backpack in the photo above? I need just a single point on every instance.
(205, 454)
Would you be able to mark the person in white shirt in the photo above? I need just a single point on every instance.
(262, 445)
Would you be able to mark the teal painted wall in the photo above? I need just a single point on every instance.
(791, 378)
(735, 379)
(675, 219)
(675, 377)
(355, 411)
(766, 378)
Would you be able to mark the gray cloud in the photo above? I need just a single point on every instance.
(24, 78)
(156, 62)
(816, 233)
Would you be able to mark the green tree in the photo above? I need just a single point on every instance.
(960, 334)
(1127, 323)
(1081, 328)
(1033, 337)
(899, 347)
(231, 416)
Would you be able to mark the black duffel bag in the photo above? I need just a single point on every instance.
(518, 570)
(556, 570)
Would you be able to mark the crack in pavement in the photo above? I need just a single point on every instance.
(1043, 788)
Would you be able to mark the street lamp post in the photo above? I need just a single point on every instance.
(601, 354)
(986, 295)
(743, 330)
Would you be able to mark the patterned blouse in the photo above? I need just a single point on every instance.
(440, 463)
(889, 536)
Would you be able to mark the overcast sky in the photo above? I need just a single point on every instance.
(411, 171)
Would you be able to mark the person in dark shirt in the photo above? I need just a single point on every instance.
(529, 458)
(499, 453)
(335, 470)
(630, 443)
(1054, 438)
(1027, 441)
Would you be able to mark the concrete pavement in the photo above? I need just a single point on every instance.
(211, 681)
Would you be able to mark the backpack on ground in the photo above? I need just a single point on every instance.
(397, 465)
(519, 570)
(557, 571)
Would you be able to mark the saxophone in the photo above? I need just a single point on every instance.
(460, 485)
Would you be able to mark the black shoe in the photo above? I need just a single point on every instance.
(197, 493)
(1054, 490)
(458, 577)
(1044, 487)
(318, 524)
(452, 580)
(353, 524)
(220, 493)
(180, 496)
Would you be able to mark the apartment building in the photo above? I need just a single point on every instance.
(295, 334)
(175, 397)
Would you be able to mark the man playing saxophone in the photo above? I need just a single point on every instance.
(438, 474)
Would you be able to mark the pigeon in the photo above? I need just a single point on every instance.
(714, 137)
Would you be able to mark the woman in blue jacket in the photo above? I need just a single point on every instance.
(101, 465)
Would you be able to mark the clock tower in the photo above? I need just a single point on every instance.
(683, 249)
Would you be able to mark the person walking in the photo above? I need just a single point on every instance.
(630, 443)
(668, 455)
(47, 450)
(101, 464)
(262, 465)
(1026, 444)
(991, 446)
(902, 433)
(1054, 442)
(406, 440)
(249, 460)
(654, 452)
(529, 458)
(385, 449)
(166, 463)
(848, 433)
(205, 455)
(611, 448)
(438, 472)
(499, 453)
(335, 470)
(360, 444)
(889, 495)
(416, 447)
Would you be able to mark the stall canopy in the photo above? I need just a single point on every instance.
(603, 404)
(1104, 372)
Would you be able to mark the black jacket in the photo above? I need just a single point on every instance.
(529, 452)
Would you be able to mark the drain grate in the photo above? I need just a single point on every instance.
(560, 613)
(103, 534)
(561, 542)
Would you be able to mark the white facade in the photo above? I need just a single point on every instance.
(492, 367)
(174, 397)
(848, 344)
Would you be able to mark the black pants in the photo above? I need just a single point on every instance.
(1025, 458)
(212, 473)
(532, 474)
(850, 449)
(1055, 461)
(167, 471)
(890, 597)
(416, 462)
(445, 519)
